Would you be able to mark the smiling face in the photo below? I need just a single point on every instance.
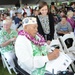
(44, 10)
(31, 29)
(7, 25)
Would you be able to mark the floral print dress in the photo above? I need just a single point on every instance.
(39, 51)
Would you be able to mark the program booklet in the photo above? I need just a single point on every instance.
(59, 64)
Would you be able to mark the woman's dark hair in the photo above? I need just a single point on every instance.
(71, 3)
(52, 3)
(24, 14)
(64, 16)
(42, 4)
(7, 14)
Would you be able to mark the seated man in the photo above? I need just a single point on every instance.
(63, 27)
(18, 20)
(30, 48)
(7, 37)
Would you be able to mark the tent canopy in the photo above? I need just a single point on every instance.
(13, 2)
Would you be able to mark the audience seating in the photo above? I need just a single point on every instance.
(68, 44)
(5, 64)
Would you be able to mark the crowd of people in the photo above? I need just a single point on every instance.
(33, 30)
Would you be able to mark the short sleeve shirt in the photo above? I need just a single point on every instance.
(4, 36)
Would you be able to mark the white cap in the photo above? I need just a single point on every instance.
(28, 21)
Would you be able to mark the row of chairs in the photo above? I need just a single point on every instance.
(68, 46)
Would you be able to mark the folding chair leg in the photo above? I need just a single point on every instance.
(9, 68)
(71, 67)
(3, 62)
(15, 71)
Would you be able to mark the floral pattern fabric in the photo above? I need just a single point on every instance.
(45, 23)
(4, 36)
(39, 51)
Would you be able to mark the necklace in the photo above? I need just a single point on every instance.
(38, 42)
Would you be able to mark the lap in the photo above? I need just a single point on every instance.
(9, 55)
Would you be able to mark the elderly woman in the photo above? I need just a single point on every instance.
(70, 19)
(7, 37)
(30, 48)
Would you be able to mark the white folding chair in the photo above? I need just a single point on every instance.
(57, 43)
(6, 64)
(63, 41)
(71, 49)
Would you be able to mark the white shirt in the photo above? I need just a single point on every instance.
(24, 53)
(27, 11)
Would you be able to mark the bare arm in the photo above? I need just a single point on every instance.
(62, 32)
(7, 42)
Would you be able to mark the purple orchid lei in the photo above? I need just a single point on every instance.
(33, 39)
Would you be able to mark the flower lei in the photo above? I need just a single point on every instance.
(33, 39)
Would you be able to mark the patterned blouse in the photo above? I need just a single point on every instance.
(4, 36)
(39, 51)
(45, 23)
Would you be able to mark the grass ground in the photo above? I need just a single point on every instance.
(4, 71)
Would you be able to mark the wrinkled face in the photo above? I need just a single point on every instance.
(44, 10)
(32, 29)
(7, 25)
(71, 15)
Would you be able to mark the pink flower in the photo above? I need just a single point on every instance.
(33, 39)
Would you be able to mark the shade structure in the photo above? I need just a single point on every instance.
(13, 2)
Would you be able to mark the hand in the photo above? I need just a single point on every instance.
(48, 42)
(13, 39)
(17, 30)
(54, 54)
(20, 22)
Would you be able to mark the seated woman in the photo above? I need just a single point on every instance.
(70, 19)
(31, 50)
(7, 37)
(63, 27)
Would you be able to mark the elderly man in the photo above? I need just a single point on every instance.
(18, 21)
(30, 48)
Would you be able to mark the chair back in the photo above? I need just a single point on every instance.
(56, 43)
(67, 41)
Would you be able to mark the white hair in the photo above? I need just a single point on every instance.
(69, 13)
